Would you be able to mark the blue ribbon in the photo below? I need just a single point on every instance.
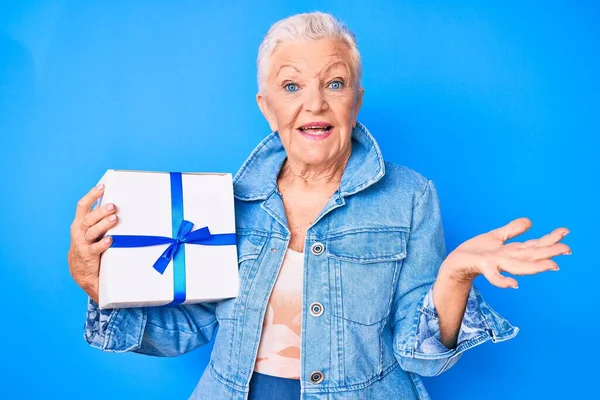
(182, 234)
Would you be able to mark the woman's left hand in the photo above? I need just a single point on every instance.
(487, 255)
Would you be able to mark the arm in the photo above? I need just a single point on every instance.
(156, 331)
(418, 343)
(488, 255)
(450, 301)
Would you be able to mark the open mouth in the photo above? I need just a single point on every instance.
(316, 130)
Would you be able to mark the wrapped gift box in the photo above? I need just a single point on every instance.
(184, 267)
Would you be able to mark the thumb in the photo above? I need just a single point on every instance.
(512, 229)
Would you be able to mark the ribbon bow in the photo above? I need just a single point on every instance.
(184, 235)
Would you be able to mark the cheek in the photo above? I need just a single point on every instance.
(286, 112)
(343, 109)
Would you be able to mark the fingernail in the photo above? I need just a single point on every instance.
(555, 269)
(100, 187)
(112, 218)
(110, 207)
(107, 239)
(565, 233)
(515, 287)
(568, 253)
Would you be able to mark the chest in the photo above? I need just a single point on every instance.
(349, 274)
(301, 209)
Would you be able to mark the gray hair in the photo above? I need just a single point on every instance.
(307, 26)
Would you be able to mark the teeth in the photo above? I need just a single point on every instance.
(315, 133)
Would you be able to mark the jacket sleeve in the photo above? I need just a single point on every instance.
(157, 331)
(416, 332)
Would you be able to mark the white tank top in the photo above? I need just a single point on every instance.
(279, 347)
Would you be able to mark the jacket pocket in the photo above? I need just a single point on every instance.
(367, 264)
(249, 247)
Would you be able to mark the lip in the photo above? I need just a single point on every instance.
(312, 136)
(315, 124)
(321, 136)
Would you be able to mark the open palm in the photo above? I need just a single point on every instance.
(488, 255)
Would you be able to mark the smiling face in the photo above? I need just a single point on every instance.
(310, 97)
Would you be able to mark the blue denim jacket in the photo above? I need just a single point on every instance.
(370, 260)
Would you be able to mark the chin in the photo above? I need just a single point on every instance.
(316, 157)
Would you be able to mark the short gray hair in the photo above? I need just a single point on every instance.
(307, 26)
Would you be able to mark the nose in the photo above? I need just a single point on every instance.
(315, 101)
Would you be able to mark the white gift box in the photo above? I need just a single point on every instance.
(144, 207)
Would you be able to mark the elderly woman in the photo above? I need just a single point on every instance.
(346, 291)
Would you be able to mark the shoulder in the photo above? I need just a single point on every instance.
(405, 175)
(404, 181)
(390, 201)
(394, 197)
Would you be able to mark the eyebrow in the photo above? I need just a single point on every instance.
(334, 64)
(286, 65)
(326, 69)
(323, 71)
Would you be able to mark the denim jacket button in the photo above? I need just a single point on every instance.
(316, 309)
(317, 248)
(316, 377)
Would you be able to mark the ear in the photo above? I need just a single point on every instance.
(357, 104)
(261, 100)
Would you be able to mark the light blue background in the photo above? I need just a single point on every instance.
(497, 102)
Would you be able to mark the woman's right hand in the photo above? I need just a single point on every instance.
(85, 250)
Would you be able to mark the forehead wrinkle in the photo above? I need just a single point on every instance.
(286, 66)
(332, 65)
(326, 68)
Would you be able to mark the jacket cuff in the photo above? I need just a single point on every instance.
(480, 324)
(114, 330)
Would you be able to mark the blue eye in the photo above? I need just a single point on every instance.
(291, 87)
(336, 85)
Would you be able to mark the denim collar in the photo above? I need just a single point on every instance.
(257, 178)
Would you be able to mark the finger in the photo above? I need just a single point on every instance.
(520, 267)
(101, 246)
(499, 280)
(100, 228)
(512, 229)
(85, 203)
(542, 253)
(96, 216)
(553, 237)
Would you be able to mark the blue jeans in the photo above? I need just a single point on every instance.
(267, 387)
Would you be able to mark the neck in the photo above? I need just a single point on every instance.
(301, 175)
